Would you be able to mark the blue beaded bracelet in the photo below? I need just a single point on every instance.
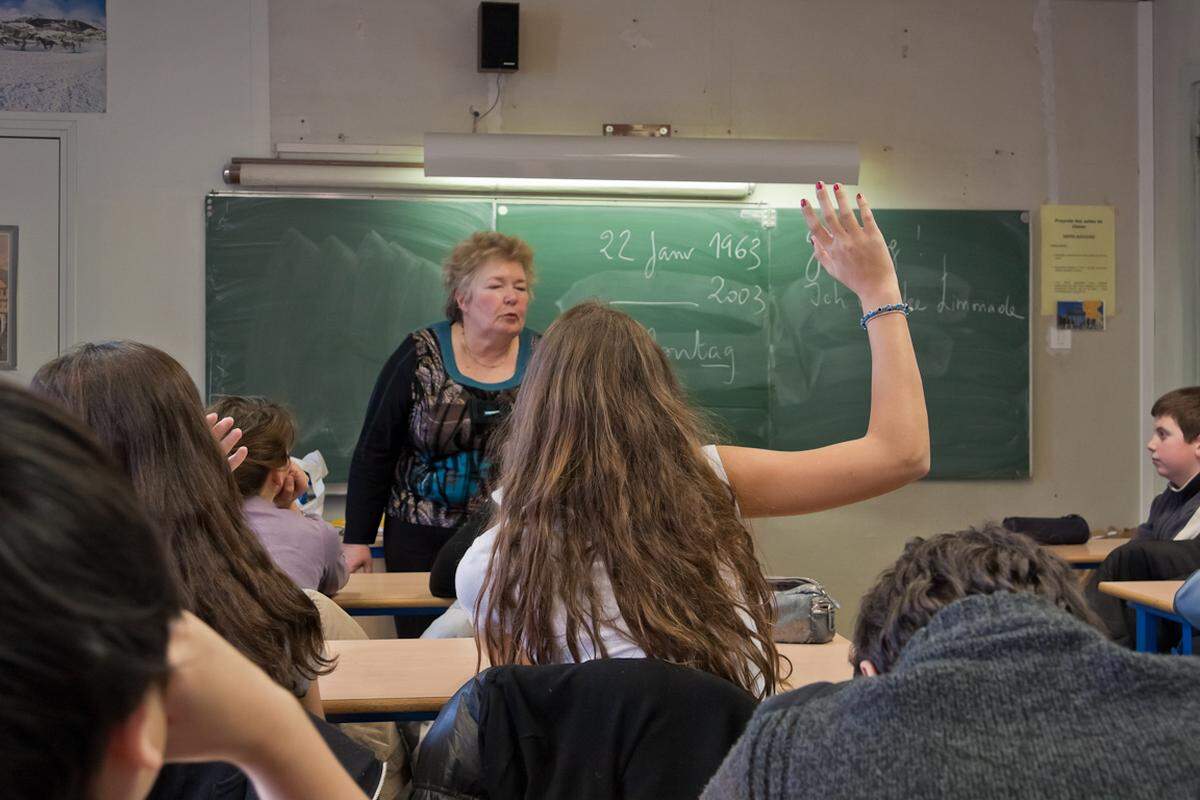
(890, 308)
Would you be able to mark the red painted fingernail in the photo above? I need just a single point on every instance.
(820, 186)
(859, 195)
(803, 203)
(837, 187)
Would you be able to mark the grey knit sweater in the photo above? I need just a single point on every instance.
(999, 696)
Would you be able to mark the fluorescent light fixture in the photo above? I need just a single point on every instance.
(334, 173)
(636, 158)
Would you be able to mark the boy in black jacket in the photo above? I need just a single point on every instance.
(1165, 546)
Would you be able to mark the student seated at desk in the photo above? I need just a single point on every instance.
(979, 674)
(101, 677)
(1166, 546)
(304, 546)
(144, 408)
(620, 527)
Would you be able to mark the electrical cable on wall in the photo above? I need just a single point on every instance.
(476, 115)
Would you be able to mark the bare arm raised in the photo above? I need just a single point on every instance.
(220, 707)
(895, 449)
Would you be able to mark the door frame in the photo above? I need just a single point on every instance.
(1190, 253)
(65, 132)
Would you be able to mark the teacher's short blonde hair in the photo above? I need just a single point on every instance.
(458, 271)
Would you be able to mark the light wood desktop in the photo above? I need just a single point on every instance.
(389, 592)
(1152, 601)
(1086, 555)
(1159, 595)
(418, 676)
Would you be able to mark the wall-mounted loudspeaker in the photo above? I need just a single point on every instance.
(498, 24)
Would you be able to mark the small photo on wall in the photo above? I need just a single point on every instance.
(53, 56)
(1081, 315)
(8, 296)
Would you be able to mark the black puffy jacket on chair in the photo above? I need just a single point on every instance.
(610, 728)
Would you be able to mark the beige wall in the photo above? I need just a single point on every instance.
(187, 88)
(946, 99)
(1176, 83)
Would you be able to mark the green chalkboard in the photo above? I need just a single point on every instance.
(308, 297)
(966, 274)
(675, 270)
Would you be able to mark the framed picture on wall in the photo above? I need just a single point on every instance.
(8, 296)
(54, 56)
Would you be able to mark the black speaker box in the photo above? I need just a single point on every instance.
(498, 24)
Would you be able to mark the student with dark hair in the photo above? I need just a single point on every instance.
(144, 408)
(979, 674)
(1174, 448)
(101, 679)
(304, 546)
(1166, 546)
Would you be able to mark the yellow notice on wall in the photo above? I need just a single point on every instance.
(1079, 256)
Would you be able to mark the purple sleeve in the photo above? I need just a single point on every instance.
(333, 563)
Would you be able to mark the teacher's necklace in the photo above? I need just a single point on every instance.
(479, 361)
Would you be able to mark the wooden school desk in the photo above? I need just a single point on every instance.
(1087, 555)
(411, 679)
(1152, 601)
(389, 594)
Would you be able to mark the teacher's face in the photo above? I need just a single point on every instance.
(498, 299)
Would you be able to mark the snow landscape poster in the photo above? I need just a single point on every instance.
(53, 55)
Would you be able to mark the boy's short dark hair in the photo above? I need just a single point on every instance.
(86, 601)
(933, 573)
(1183, 406)
(268, 434)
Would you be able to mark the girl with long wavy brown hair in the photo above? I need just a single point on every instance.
(143, 406)
(619, 527)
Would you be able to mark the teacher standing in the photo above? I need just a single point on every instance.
(422, 455)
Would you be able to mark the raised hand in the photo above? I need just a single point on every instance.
(855, 254)
(227, 438)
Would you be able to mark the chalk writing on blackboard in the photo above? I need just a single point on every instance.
(702, 353)
(744, 250)
(949, 302)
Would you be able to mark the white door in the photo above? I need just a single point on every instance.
(29, 199)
